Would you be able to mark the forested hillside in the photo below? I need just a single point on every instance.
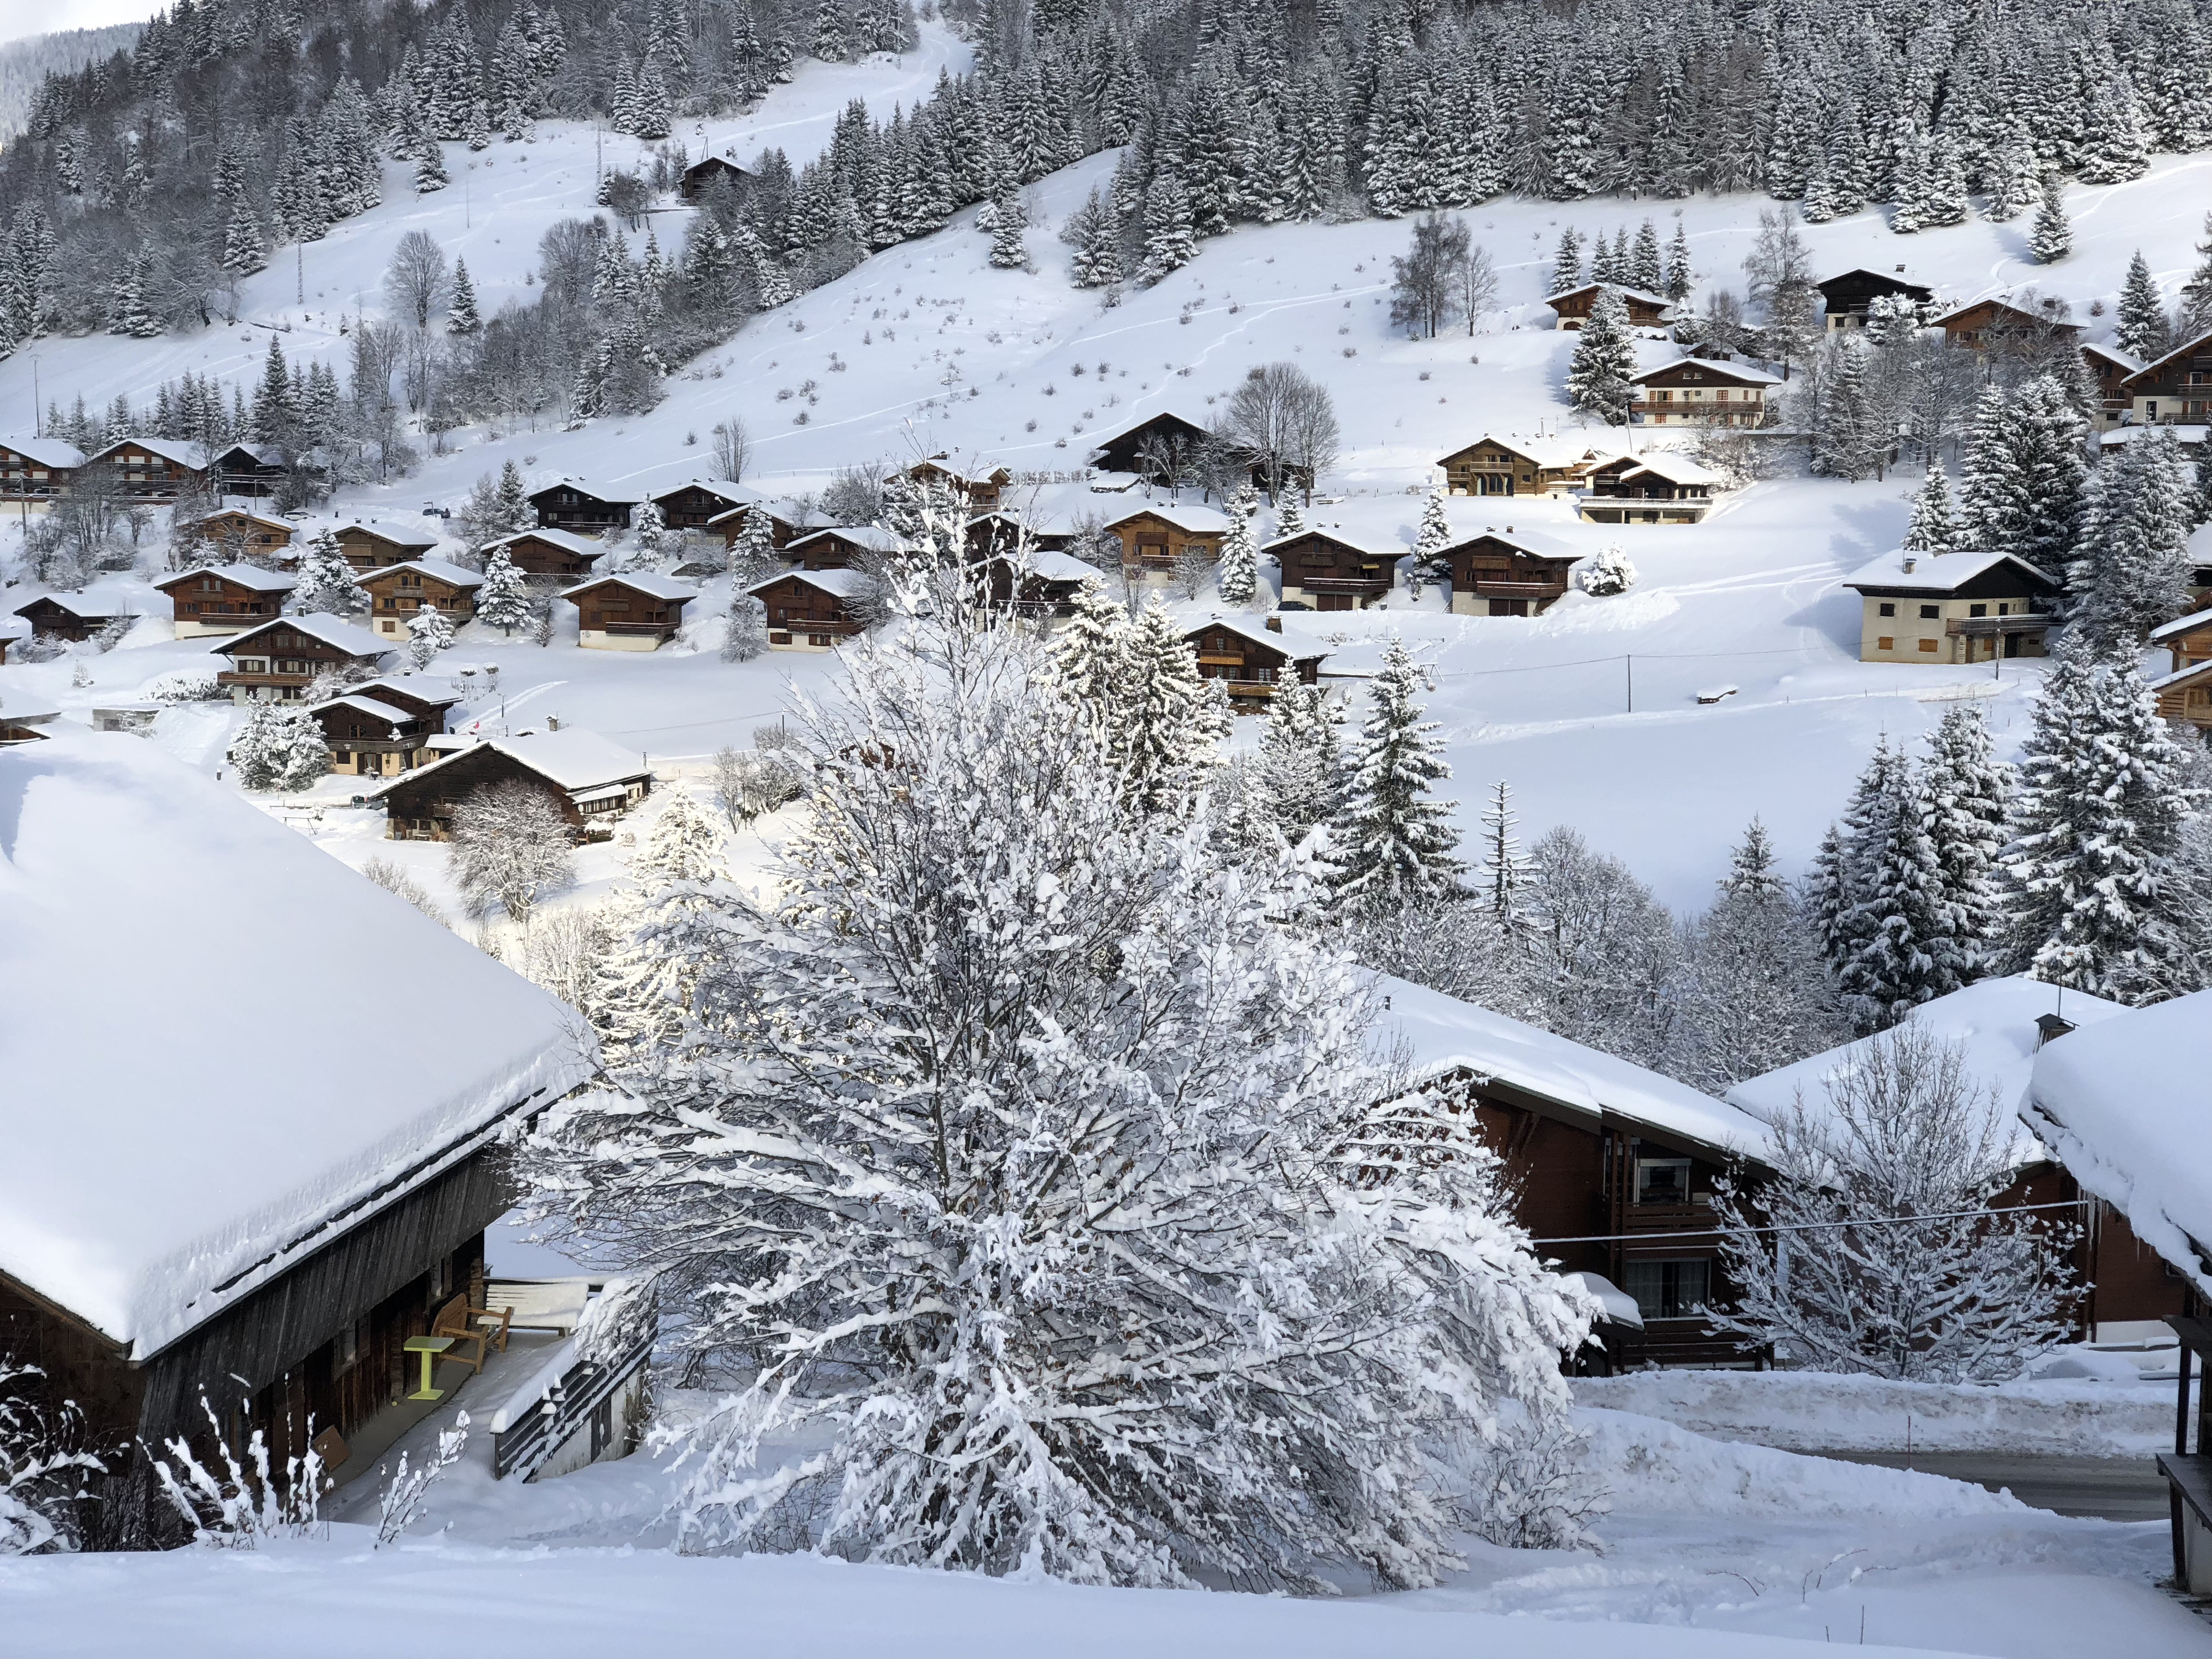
(25, 65)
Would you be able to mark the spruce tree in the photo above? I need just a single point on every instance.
(1904, 934)
(1168, 720)
(1934, 518)
(1604, 358)
(324, 584)
(245, 250)
(752, 554)
(2024, 473)
(1968, 792)
(1095, 235)
(1679, 278)
(2095, 828)
(1170, 240)
(2131, 565)
(1505, 882)
(1236, 572)
(1434, 536)
(430, 167)
(461, 307)
(1567, 263)
(1300, 765)
(1090, 658)
(1397, 842)
(515, 512)
(429, 631)
(2051, 239)
(503, 601)
(1008, 221)
(1646, 271)
(2143, 327)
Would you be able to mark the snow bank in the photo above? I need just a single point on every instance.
(220, 1040)
(1812, 1411)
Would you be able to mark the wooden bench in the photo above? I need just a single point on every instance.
(481, 1326)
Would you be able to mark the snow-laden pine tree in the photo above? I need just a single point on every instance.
(1008, 221)
(2142, 326)
(1089, 662)
(648, 530)
(516, 513)
(752, 554)
(1237, 570)
(684, 844)
(430, 168)
(1869, 1252)
(1605, 357)
(1968, 795)
(1094, 232)
(324, 584)
(1567, 262)
(280, 747)
(2131, 567)
(503, 601)
(1170, 236)
(461, 316)
(1289, 520)
(1609, 571)
(1169, 717)
(1934, 525)
(1430, 542)
(1299, 773)
(1752, 992)
(746, 636)
(1395, 841)
(2051, 237)
(1680, 278)
(2024, 473)
(2096, 826)
(1016, 1162)
(429, 631)
(1909, 940)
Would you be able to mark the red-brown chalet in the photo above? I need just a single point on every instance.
(810, 610)
(74, 616)
(37, 469)
(637, 612)
(1645, 310)
(785, 522)
(550, 555)
(223, 598)
(1329, 570)
(841, 547)
(277, 662)
(369, 545)
(153, 469)
(589, 779)
(1507, 575)
(1253, 661)
(697, 502)
(397, 592)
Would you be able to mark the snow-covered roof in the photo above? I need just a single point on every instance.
(333, 631)
(1262, 635)
(1534, 543)
(1055, 567)
(2127, 1105)
(2186, 675)
(1671, 465)
(1438, 1035)
(2188, 347)
(1621, 289)
(392, 533)
(1957, 311)
(1554, 454)
(428, 688)
(1192, 516)
(1373, 546)
(166, 1159)
(46, 452)
(440, 569)
(262, 454)
(2126, 360)
(642, 581)
(369, 705)
(249, 515)
(1993, 1022)
(1741, 372)
(1938, 573)
(568, 541)
(192, 455)
(14, 711)
(873, 537)
(586, 486)
(782, 511)
(2180, 625)
(577, 761)
(843, 584)
(94, 604)
(246, 575)
(14, 628)
(727, 488)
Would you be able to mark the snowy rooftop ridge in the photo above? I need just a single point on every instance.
(2128, 1107)
(116, 1200)
(843, 584)
(1438, 1035)
(398, 535)
(642, 581)
(246, 575)
(443, 569)
(567, 540)
(333, 631)
(2180, 625)
(46, 452)
(1742, 372)
(1938, 573)
(572, 760)
(1272, 639)
(1193, 516)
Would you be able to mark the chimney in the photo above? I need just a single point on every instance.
(2049, 1028)
(1274, 624)
(1909, 563)
(552, 722)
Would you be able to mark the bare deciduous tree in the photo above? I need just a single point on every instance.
(733, 449)
(1281, 422)
(509, 846)
(416, 280)
(1426, 292)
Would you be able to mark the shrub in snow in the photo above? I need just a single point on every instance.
(510, 845)
(44, 1467)
(747, 636)
(238, 1504)
(1015, 1162)
(186, 687)
(748, 784)
(400, 884)
(1606, 574)
(280, 747)
(1876, 1255)
(429, 631)
(403, 1502)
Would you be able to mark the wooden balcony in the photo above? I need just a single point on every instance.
(2025, 622)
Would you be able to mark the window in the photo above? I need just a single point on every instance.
(1662, 1180)
(1929, 612)
(1977, 610)
(1885, 643)
(1928, 645)
(1887, 609)
(1668, 1290)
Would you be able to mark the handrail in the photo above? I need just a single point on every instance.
(569, 1403)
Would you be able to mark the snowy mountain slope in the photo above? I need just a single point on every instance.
(926, 346)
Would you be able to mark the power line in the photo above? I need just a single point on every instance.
(1814, 1227)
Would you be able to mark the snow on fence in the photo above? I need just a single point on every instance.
(579, 1376)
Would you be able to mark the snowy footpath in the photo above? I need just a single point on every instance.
(1711, 1549)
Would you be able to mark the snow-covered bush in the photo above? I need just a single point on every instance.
(404, 1500)
(747, 635)
(1608, 572)
(1018, 1163)
(429, 631)
(43, 1466)
(238, 1504)
(1869, 1251)
(185, 686)
(748, 784)
(280, 747)
(510, 845)
(400, 884)
(1532, 1486)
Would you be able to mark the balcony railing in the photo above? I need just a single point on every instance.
(2025, 622)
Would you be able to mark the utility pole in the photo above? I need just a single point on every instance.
(38, 409)
(1630, 663)
(300, 269)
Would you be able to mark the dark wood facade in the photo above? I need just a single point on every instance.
(1153, 540)
(374, 546)
(1645, 310)
(629, 613)
(1252, 664)
(66, 617)
(805, 613)
(1987, 323)
(701, 176)
(980, 492)
(1847, 297)
(221, 601)
(1500, 466)
(247, 470)
(2111, 370)
(398, 591)
(243, 535)
(840, 548)
(421, 807)
(573, 505)
(1332, 574)
(368, 737)
(2177, 388)
(695, 505)
(36, 469)
(151, 470)
(1495, 575)
(1160, 448)
(782, 527)
(278, 661)
(554, 555)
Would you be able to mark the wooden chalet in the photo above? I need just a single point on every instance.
(37, 469)
(1986, 323)
(397, 592)
(1329, 570)
(2184, 693)
(2176, 388)
(74, 616)
(590, 781)
(1612, 1167)
(1040, 585)
(154, 471)
(697, 502)
(980, 492)
(1492, 465)
(182, 1230)
(1156, 535)
(369, 738)
(810, 609)
(637, 612)
(785, 523)
(1253, 661)
(1700, 391)
(1002, 532)
(223, 598)
(13, 630)
(1162, 449)
(22, 722)
(1645, 310)
(370, 544)
(1953, 607)
(701, 176)
(1657, 487)
(244, 535)
(841, 547)
(425, 697)
(574, 504)
(550, 555)
(277, 662)
(2111, 368)
(1848, 296)
(248, 470)
(1508, 573)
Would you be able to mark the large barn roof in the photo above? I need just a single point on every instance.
(185, 1120)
